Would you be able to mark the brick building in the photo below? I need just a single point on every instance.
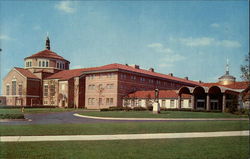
(46, 80)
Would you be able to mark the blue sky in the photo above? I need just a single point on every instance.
(186, 38)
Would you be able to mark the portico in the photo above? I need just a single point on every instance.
(213, 98)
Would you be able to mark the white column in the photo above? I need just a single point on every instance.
(224, 102)
(208, 103)
(192, 102)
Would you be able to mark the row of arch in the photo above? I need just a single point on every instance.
(208, 98)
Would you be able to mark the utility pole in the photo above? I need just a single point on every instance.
(0, 71)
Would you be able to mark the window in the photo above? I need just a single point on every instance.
(20, 89)
(47, 63)
(110, 86)
(45, 102)
(13, 87)
(45, 91)
(171, 103)
(40, 64)
(133, 77)
(189, 103)
(123, 76)
(63, 66)
(163, 103)
(91, 101)
(30, 64)
(109, 101)
(139, 102)
(91, 87)
(182, 103)
(57, 65)
(7, 89)
(52, 90)
(63, 87)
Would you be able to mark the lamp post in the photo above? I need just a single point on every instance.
(156, 105)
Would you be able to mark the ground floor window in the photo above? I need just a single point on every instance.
(172, 103)
(163, 103)
(109, 101)
(91, 101)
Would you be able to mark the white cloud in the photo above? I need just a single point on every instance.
(229, 43)
(215, 25)
(5, 37)
(203, 41)
(65, 6)
(169, 55)
(208, 41)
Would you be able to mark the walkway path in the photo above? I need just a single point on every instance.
(160, 119)
(121, 136)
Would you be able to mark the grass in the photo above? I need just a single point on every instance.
(122, 128)
(163, 114)
(197, 148)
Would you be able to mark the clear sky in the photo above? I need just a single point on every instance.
(186, 38)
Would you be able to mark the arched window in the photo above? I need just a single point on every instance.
(43, 63)
(47, 64)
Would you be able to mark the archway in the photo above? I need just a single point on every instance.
(200, 98)
(215, 96)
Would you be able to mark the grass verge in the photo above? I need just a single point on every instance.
(163, 114)
(197, 148)
(123, 128)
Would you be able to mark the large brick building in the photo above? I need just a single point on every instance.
(47, 80)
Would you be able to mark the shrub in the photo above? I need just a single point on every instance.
(11, 116)
(150, 107)
(139, 109)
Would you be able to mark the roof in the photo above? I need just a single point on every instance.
(235, 85)
(146, 72)
(67, 74)
(47, 54)
(26, 73)
(162, 94)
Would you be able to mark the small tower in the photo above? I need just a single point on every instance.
(227, 79)
(47, 44)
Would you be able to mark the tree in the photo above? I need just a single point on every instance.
(245, 72)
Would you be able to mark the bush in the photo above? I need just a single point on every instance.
(150, 107)
(11, 116)
(139, 109)
(242, 111)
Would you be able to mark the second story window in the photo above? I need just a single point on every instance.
(13, 87)
(45, 91)
(7, 89)
(20, 89)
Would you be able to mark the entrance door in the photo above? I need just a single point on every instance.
(63, 103)
(200, 104)
(214, 105)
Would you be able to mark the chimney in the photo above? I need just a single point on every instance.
(200, 81)
(126, 64)
(151, 70)
(171, 74)
(186, 78)
(135, 66)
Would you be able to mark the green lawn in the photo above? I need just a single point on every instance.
(163, 114)
(123, 128)
(197, 148)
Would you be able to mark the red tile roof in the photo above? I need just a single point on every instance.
(47, 54)
(162, 94)
(67, 74)
(147, 72)
(236, 85)
(26, 73)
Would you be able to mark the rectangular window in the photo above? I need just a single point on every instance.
(57, 65)
(43, 63)
(40, 64)
(13, 87)
(91, 101)
(171, 103)
(182, 103)
(52, 90)
(47, 64)
(45, 91)
(163, 103)
(109, 101)
(8, 90)
(20, 89)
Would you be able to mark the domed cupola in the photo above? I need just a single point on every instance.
(227, 79)
(46, 61)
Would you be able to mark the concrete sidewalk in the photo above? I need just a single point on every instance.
(161, 119)
(121, 136)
